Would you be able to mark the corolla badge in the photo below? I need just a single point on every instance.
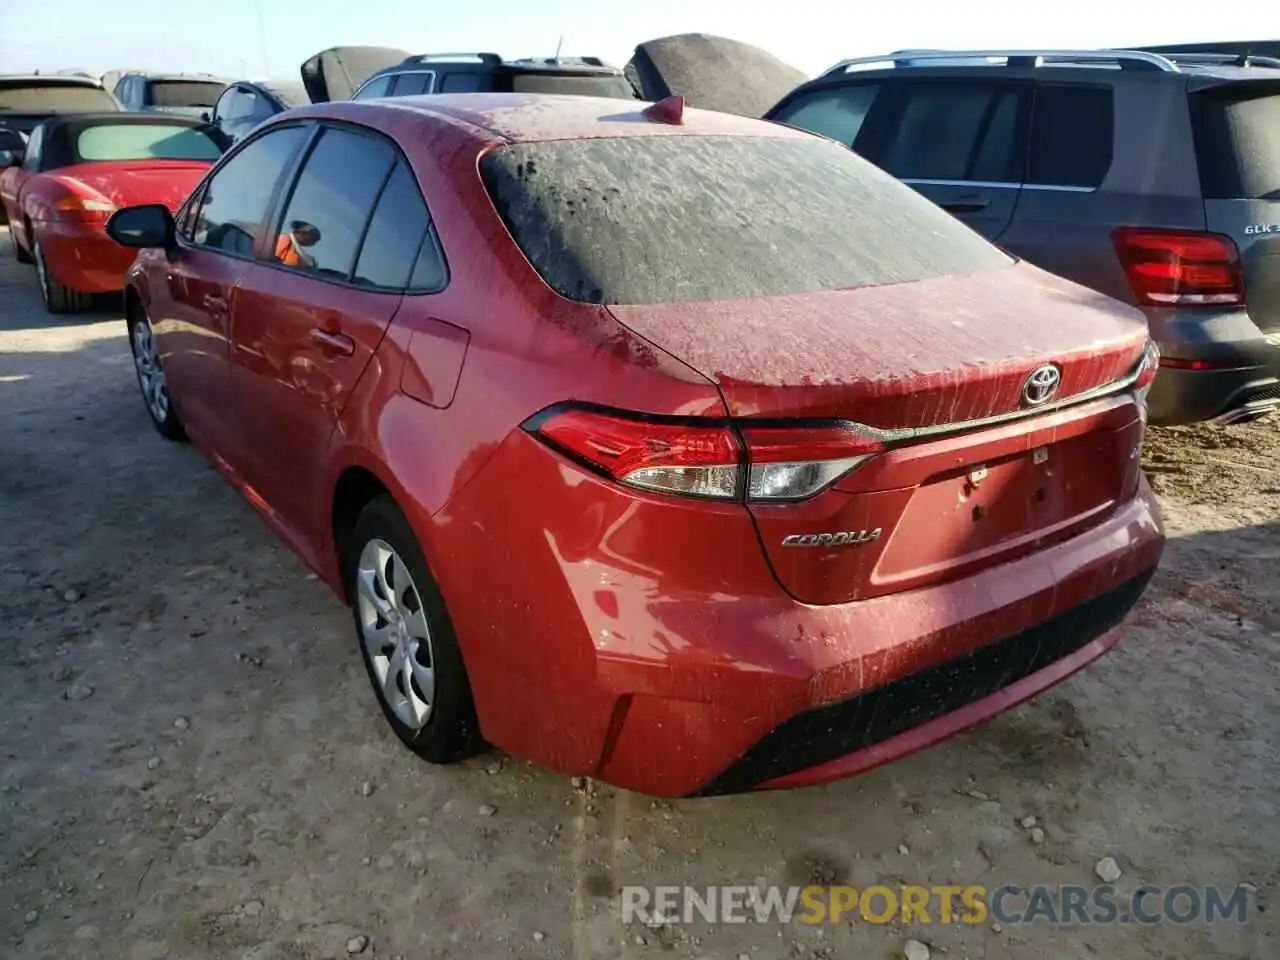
(845, 538)
(1041, 384)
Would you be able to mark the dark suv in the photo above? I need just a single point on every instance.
(1154, 179)
(489, 73)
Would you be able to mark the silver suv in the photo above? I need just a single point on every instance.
(1151, 178)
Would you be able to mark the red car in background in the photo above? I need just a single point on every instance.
(74, 171)
(681, 450)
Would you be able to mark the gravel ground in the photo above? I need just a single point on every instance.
(192, 764)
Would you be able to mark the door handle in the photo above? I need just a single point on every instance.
(338, 343)
(967, 205)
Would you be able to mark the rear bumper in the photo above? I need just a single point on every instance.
(1244, 381)
(82, 256)
(675, 666)
(854, 735)
(1190, 396)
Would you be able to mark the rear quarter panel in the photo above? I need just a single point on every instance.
(526, 348)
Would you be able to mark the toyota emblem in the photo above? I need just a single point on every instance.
(1041, 385)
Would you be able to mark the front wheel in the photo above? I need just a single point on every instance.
(58, 297)
(410, 652)
(151, 378)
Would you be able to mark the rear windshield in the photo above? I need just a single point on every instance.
(183, 93)
(138, 141)
(1237, 138)
(51, 98)
(665, 219)
(615, 88)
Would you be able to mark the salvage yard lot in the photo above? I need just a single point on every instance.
(192, 764)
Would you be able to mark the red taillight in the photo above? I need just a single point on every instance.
(84, 209)
(708, 460)
(1175, 268)
(693, 460)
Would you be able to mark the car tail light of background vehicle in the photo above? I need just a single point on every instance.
(763, 463)
(1180, 268)
(84, 209)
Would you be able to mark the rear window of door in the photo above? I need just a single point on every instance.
(331, 202)
(836, 112)
(1072, 136)
(1237, 140)
(400, 247)
(469, 81)
(237, 197)
(956, 132)
(412, 84)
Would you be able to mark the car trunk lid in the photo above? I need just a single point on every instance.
(939, 370)
(1237, 139)
(335, 73)
(909, 357)
(126, 183)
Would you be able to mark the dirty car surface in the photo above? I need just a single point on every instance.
(643, 485)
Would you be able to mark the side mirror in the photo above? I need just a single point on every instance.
(148, 226)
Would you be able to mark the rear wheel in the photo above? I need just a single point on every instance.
(19, 253)
(58, 297)
(406, 640)
(151, 378)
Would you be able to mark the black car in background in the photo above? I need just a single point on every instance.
(243, 104)
(182, 94)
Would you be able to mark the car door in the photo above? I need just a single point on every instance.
(192, 317)
(960, 142)
(311, 313)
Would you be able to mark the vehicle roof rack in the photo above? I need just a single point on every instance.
(489, 59)
(1210, 59)
(1124, 59)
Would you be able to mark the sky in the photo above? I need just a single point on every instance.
(270, 38)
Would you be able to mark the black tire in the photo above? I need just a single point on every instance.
(167, 425)
(19, 253)
(58, 297)
(452, 730)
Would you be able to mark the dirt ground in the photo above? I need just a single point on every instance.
(192, 764)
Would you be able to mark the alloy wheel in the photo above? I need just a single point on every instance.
(150, 374)
(395, 633)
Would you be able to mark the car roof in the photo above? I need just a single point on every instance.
(48, 79)
(1143, 64)
(525, 117)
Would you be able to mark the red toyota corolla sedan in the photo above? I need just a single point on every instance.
(78, 169)
(685, 451)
